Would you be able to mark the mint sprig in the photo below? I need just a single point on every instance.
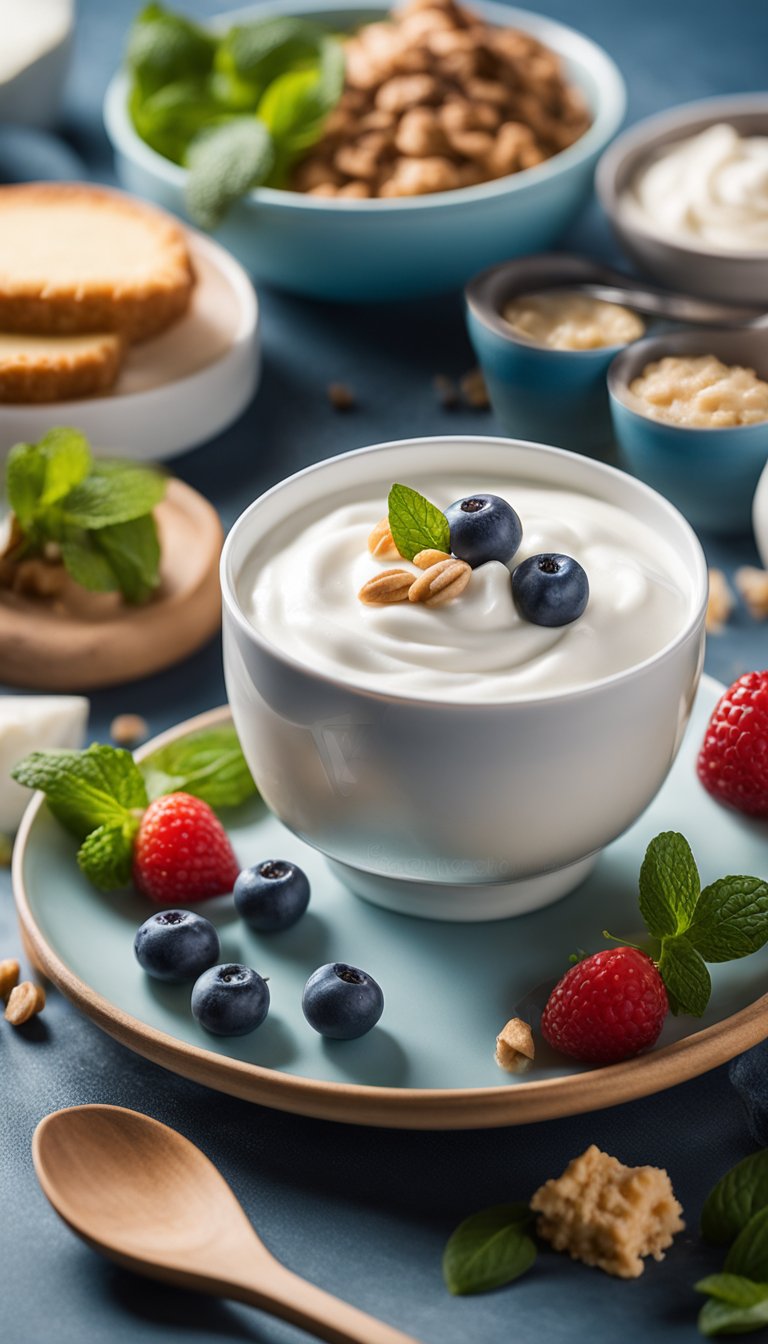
(740, 1194)
(100, 794)
(489, 1249)
(415, 523)
(98, 513)
(736, 1211)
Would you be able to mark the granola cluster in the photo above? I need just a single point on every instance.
(435, 99)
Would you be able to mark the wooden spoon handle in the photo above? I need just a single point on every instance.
(293, 1299)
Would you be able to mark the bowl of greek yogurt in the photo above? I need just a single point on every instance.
(455, 759)
(687, 193)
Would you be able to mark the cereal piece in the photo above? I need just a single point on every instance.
(440, 583)
(514, 1046)
(720, 602)
(341, 397)
(391, 585)
(420, 177)
(324, 189)
(381, 542)
(609, 1215)
(446, 391)
(128, 729)
(420, 133)
(752, 583)
(363, 159)
(24, 1001)
(474, 391)
(426, 559)
(9, 977)
(477, 145)
(405, 91)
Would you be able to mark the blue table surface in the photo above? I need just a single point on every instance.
(363, 1212)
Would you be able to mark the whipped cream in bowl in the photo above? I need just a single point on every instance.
(458, 761)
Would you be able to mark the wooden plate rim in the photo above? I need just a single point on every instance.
(394, 1107)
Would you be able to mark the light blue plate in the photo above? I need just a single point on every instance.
(448, 988)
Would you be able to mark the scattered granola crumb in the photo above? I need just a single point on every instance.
(25, 1001)
(390, 585)
(381, 542)
(514, 1046)
(9, 977)
(446, 391)
(609, 1215)
(752, 583)
(341, 397)
(126, 730)
(474, 391)
(720, 602)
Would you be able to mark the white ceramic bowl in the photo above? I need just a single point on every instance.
(31, 86)
(714, 273)
(450, 810)
(388, 249)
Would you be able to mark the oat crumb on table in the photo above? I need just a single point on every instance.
(720, 602)
(609, 1215)
(752, 584)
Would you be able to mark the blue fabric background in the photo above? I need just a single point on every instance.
(364, 1213)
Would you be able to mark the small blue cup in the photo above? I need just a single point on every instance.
(709, 474)
(549, 396)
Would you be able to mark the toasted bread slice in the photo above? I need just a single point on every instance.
(57, 368)
(76, 258)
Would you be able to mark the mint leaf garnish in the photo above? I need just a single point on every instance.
(724, 1318)
(114, 492)
(86, 563)
(225, 163)
(489, 1249)
(163, 47)
(740, 1194)
(685, 976)
(105, 855)
(731, 919)
(733, 1288)
(210, 765)
(38, 475)
(748, 1255)
(669, 884)
(87, 789)
(132, 551)
(416, 524)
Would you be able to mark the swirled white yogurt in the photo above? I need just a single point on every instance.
(711, 189)
(303, 597)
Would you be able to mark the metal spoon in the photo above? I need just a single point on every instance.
(148, 1198)
(675, 307)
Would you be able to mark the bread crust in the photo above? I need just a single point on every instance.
(77, 370)
(136, 308)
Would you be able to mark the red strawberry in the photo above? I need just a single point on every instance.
(733, 761)
(182, 852)
(609, 1007)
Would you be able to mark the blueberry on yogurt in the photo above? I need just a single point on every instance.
(550, 589)
(483, 527)
(271, 896)
(341, 1001)
(230, 1000)
(176, 945)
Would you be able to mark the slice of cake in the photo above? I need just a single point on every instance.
(76, 258)
(608, 1215)
(57, 368)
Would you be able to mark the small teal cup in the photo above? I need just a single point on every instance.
(549, 396)
(710, 475)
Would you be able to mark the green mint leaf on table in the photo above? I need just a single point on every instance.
(748, 1255)
(416, 524)
(101, 786)
(225, 163)
(113, 492)
(741, 1193)
(669, 885)
(489, 1249)
(163, 47)
(731, 919)
(210, 765)
(723, 1318)
(106, 856)
(685, 976)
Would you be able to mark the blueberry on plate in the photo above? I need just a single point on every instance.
(484, 527)
(176, 945)
(230, 1000)
(271, 896)
(342, 1001)
(550, 589)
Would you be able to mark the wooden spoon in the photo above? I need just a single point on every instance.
(148, 1198)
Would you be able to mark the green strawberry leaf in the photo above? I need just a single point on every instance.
(489, 1249)
(685, 976)
(105, 855)
(416, 524)
(748, 1255)
(101, 786)
(209, 764)
(722, 1318)
(669, 885)
(731, 919)
(738, 1195)
(225, 163)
